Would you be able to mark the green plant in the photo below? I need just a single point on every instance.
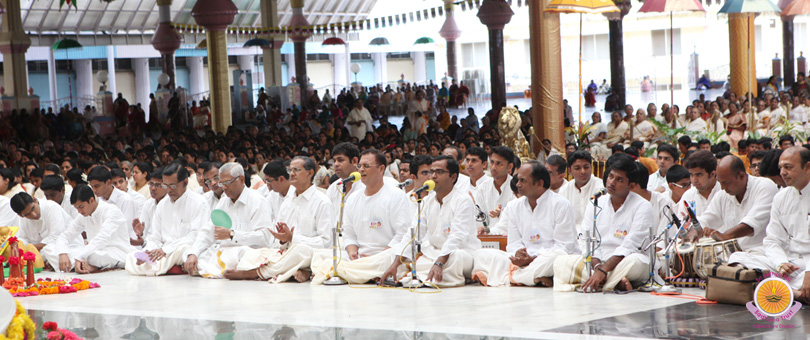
(669, 135)
(785, 127)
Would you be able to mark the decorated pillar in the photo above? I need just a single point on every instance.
(495, 14)
(196, 82)
(547, 96)
(742, 47)
(142, 81)
(215, 16)
(616, 42)
(271, 53)
(167, 40)
(13, 44)
(299, 37)
(450, 33)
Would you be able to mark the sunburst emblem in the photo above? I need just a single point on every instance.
(773, 296)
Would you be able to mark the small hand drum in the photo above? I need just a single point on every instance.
(708, 253)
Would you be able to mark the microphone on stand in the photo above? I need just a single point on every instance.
(353, 177)
(429, 186)
(677, 222)
(693, 217)
(405, 184)
(599, 193)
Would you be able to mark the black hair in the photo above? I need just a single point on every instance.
(513, 184)
(632, 151)
(556, 162)
(379, 157)
(99, 173)
(176, 168)
(346, 149)
(478, 152)
(458, 152)
(143, 167)
(81, 193)
(616, 148)
(742, 144)
(38, 173)
(684, 140)
(117, 173)
(677, 173)
(758, 154)
(452, 165)
(784, 138)
(54, 168)
(769, 166)
(52, 182)
(704, 141)
(643, 175)
(637, 144)
(75, 175)
(579, 154)
(276, 169)
(208, 166)
(539, 172)
(20, 201)
(418, 161)
(506, 153)
(703, 159)
(6, 173)
(623, 162)
(671, 150)
(156, 174)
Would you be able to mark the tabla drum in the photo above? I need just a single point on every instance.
(708, 253)
(688, 278)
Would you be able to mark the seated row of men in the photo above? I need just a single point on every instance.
(292, 239)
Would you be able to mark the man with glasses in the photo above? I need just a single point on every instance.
(447, 232)
(278, 184)
(211, 181)
(302, 226)
(678, 182)
(41, 223)
(157, 192)
(175, 225)
(100, 180)
(218, 248)
(374, 221)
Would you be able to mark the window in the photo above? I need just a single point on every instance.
(595, 47)
(660, 42)
(474, 55)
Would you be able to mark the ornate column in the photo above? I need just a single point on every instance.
(167, 40)
(272, 53)
(215, 16)
(547, 105)
(495, 14)
(299, 38)
(450, 33)
(616, 38)
(13, 44)
(742, 47)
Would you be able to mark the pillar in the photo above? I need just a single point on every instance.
(290, 59)
(616, 42)
(271, 54)
(196, 82)
(495, 14)
(84, 79)
(339, 70)
(142, 83)
(215, 16)
(380, 68)
(299, 38)
(742, 48)
(547, 96)
(787, 52)
(52, 78)
(419, 67)
(166, 39)
(111, 70)
(246, 62)
(450, 33)
(14, 42)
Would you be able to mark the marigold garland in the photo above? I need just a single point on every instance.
(21, 326)
(16, 286)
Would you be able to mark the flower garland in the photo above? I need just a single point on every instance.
(17, 287)
(57, 333)
(21, 326)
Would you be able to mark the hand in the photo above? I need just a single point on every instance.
(81, 267)
(138, 227)
(352, 251)
(64, 263)
(707, 232)
(482, 230)
(190, 266)
(156, 255)
(282, 232)
(391, 272)
(495, 213)
(521, 258)
(594, 282)
(716, 235)
(221, 233)
(804, 292)
(787, 268)
(435, 274)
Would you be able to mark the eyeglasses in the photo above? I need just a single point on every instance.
(269, 180)
(296, 170)
(227, 183)
(155, 185)
(367, 166)
(169, 186)
(685, 186)
(211, 180)
(438, 172)
(425, 173)
(754, 165)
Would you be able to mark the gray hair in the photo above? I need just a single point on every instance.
(234, 169)
(309, 164)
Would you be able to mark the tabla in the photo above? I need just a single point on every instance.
(689, 278)
(708, 253)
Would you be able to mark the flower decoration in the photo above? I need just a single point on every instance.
(57, 333)
(18, 288)
(21, 252)
(12, 239)
(13, 260)
(29, 256)
(21, 326)
(50, 326)
(2, 258)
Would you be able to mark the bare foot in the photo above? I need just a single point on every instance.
(301, 275)
(91, 269)
(624, 285)
(232, 274)
(544, 282)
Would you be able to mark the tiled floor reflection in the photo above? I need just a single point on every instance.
(693, 321)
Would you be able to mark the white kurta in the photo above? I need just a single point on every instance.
(69, 208)
(138, 200)
(147, 213)
(276, 199)
(376, 222)
(661, 215)
(174, 228)
(581, 198)
(698, 203)
(488, 198)
(786, 237)
(52, 222)
(107, 237)
(697, 125)
(211, 199)
(725, 212)
(362, 116)
(7, 216)
(656, 181)
(124, 203)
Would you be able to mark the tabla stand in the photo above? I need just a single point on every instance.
(334, 279)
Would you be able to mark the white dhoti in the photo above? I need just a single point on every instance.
(276, 265)
(455, 272)
(158, 268)
(493, 268)
(50, 254)
(756, 261)
(105, 258)
(570, 272)
(215, 260)
(358, 271)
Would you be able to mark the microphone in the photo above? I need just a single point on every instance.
(677, 222)
(693, 217)
(405, 184)
(599, 193)
(353, 177)
(429, 185)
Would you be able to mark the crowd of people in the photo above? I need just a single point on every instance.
(261, 202)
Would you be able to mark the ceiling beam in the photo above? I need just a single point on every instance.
(132, 17)
(42, 21)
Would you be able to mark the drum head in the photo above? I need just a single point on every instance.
(686, 248)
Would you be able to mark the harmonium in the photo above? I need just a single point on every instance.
(493, 241)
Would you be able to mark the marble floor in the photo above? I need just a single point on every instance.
(181, 307)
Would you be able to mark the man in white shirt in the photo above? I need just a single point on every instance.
(100, 179)
(541, 227)
(278, 182)
(107, 235)
(374, 221)
(41, 222)
(787, 241)
(7, 215)
(358, 122)
(211, 181)
(666, 158)
(742, 210)
(583, 186)
(119, 181)
(463, 180)
(623, 223)
(493, 194)
(174, 228)
(55, 190)
(302, 227)
(475, 162)
(449, 238)
(346, 155)
(142, 224)
(696, 123)
(217, 248)
(556, 165)
(702, 167)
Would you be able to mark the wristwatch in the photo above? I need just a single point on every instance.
(437, 263)
(232, 232)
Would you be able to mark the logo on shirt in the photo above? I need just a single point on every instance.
(375, 224)
(446, 229)
(534, 238)
(620, 233)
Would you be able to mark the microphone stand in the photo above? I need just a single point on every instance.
(651, 285)
(336, 280)
(667, 288)
(416, 248)
(590, 240)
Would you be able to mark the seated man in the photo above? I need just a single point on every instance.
(373, 222)
(583, 186)
(107, 235)
(217, 248)
(174, 227)
(277, 182)
(493, 194)
(100, 179)
(54, 188)
(211, 181)
(142, 224)
(541, 227)
(119, 181)
(449, 237)
(742, 210)
(41, 223)
(304, 223)
(786, 249)
(623, 223)
(702, 167)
